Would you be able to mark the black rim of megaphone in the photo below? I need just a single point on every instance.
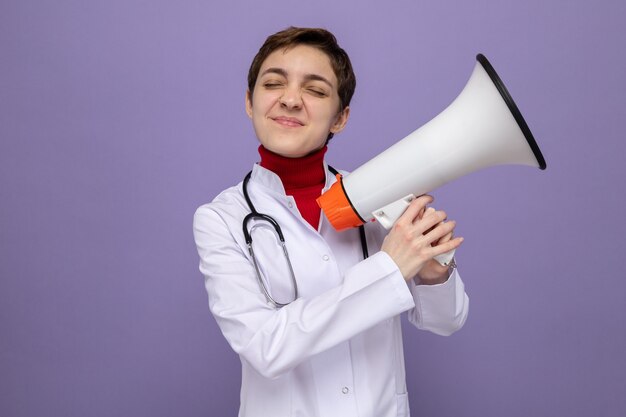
(513, 108)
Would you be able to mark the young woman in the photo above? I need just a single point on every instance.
(316, 325)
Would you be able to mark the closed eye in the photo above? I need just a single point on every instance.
(317, 92)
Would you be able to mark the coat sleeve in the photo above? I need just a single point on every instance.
(441, 308)
(275, 340)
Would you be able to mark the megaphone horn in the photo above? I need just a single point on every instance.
(481, 128)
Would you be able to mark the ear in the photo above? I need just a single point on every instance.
(248, 104)
(340, 122)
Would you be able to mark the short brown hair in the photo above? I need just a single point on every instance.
(318, 38)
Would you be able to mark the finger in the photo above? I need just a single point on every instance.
(425, 211)
(418, 205)
(447, 237)
(442, 230)
(447, 246)
(430, 221)
(443, 239)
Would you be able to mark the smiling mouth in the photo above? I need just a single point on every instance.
(288, 121)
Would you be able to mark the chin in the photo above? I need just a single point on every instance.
(291, 145)
(289, 151)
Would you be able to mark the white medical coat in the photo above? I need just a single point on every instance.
(337, 349)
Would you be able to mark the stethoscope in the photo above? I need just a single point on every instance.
(264, 217)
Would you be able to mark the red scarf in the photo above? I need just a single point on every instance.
(303, 178)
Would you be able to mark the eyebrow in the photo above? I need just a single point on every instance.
(307, 77)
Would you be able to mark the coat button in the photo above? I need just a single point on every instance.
(325, 257)
(345, 390)
(290, 204)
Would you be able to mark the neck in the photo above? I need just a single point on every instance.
(296, 172)
(303, 178)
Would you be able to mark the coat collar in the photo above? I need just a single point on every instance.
(269, 180)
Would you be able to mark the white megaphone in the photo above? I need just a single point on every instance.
(481, 128)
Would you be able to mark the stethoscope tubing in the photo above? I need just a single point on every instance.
(255, 215)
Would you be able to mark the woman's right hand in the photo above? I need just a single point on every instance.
(409, 243)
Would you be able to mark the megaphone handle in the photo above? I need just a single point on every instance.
(390, 213)
(445, 258)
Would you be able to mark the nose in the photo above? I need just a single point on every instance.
(291, 98)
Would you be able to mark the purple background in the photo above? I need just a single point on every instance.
(118, 118)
